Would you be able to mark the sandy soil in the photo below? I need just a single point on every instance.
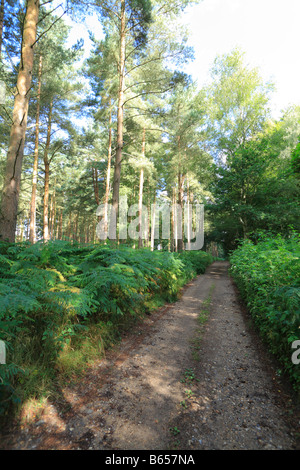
(173, 384)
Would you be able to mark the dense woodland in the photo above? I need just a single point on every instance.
(82, 128)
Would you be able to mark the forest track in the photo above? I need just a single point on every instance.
(174, 383)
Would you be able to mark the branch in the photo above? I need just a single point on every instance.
(154, 59)
(164, 12)
(49, 1)
(15, 162)
(144, 63)
(157, 92)
(11, 61)
(150, 111)
(157, 129)
(6, 119)
(133, 26)
(49, 13)
(46, 31)
(129, 54)
(9, 117)
(54, 152)
(108, 10)
(145, 81)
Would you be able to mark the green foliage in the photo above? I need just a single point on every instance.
(59, 300)
(255, 190)
(237, 102)
(295, 160)
(267, 275)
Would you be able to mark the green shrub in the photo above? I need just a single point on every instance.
(268, 277)
(60, 301)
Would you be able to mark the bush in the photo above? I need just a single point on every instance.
(61, 304)
(267, 275)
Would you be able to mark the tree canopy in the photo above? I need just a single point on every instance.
(127, 121)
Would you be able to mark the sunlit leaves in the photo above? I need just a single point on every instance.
(267, 274)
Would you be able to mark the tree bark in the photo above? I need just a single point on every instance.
(174, 222)
(69, 228)
(60, 231)
(53, 212)
(1, 25)
(47, 178)
(75, 228)
(188, 224)
(12, 178)
(108, 174)
(32, 233)
(96, 186)
(180, 197)
(153, 222)
(118, 160)
(147, 225)
(141, 191)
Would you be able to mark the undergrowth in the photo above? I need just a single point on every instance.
(268, 277)
(62, 305)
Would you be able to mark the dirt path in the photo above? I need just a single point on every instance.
(173, 384)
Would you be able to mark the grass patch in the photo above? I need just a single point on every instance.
(201, 320)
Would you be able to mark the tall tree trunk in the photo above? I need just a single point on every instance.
(180, 198)
(27, 226)
(141, 191)
(32, 233)
(175, 222)
(87, 233)
(60, 231)
(147, 225)
(189, 221)
(118, 160)
(181, 179)
(140, 204)
(75, 228)
(1, 25)
(153, 222)
(96, 186)
(94, 231)
(53, 212)
(46, 203)
(108, 174)
(12, 178)
(47, 178)
(68, 233)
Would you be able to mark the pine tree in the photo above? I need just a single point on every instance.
(11, 189)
